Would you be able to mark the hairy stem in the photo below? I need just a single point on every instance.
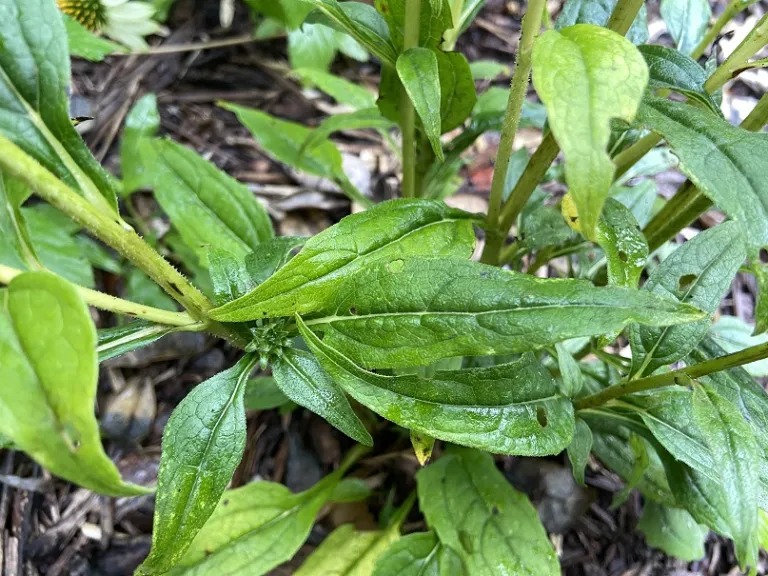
(408, 113)
(518, 90)
(110, 303)
(681, 377)
(733, 8)
(104, 227)
(738, 59)
(623, 15)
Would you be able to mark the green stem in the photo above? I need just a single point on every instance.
(518, 90)
(17, 163)
(628, 157)
(733, 8)
(408, 114)
(751, 45)
(117, 305)
(623, 16)
(680, 377)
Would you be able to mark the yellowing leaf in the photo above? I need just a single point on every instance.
(587, 76)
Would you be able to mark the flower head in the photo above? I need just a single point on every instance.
(127, 21)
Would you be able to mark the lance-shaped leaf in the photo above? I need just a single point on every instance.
(671, 70)
(254, 529)
(203, 443)
(357, 120)
(457, 89)
(725, 162)
(579, 449)
(228, 275)
(625, 247)
(686, 21)
(414, 311)
(48, 378)
(141, 125)
(510, 408)
(348, 552)
(587, 76)
(362, 22)
(490, 525)
(570, 373)
(672, 530)
(270, 256)
(206, 206)
(301, 378)
(340, 89)
(599, 12)
(700, 273)
(311, 280)
(34, 108)
(419, 554)
(113, 342)
(735, 450)
(420, 76)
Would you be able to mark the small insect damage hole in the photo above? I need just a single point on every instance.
(353, 310)
(686, 282)
(541, 416)
(764, 255)
(623, 256)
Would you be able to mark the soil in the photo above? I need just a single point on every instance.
(53, 528)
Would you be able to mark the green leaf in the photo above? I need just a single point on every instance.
(254, 529)
(475, 512)
(228, 274)
(268, 257)
(419, 554)
(301, 378)
(510, 408)
(203, 443)
(457, 89)
(488, 69)
(579, 449)
(725, 162)
(289, 12)
(312, 46)
(348, 552)
(85, 44)
(434, 20)
(141, 124)
(700, 273)
(641, 463)
(263, 393)
(341, 90)
(312, 279)
(570, 373)
(207, 207)
(761, 307)
(671, 70)
(414, 311)
(16, 248)
(734, 448)
(48, 379)
(492, 105)
(419, 74)
(284, 141)
(113, 342)
(98, 255)
(686, 21)
(625, 247)
(363, 23)
(733, 334)
(587, 76)
(351, 490)
(34, 108)
(599, 12)
(673, 531)
(141, 289)
(422, 446)
(763, 529)
(357, 120)
(639, 199)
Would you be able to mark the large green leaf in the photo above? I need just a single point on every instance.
(301, 378)
(363, 23)
(206, 206)
(625, 247)
(413, 311)
(48, 379)
(348, 552)
(700, 273)
(457, 89)
(34, 108)
(510, 408)
(725, 162)
(311, 280)
(254, 529)
(599, 12)
(671, 70)
(141, 124)
(587, 76)
(735, 450)
(672, 530)
(203, 443)
(419, 554)
(686, 21)
(420, 76)
(476, 513)
(434, 20)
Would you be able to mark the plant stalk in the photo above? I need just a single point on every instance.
(680, 377)
(739, 58)
(119, 306)
(517, 92)
(731, 10)
(623, 15)
(408, 113)
(18, 164)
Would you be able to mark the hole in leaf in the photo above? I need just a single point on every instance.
(396, 266)
(353, 310)
(541, 416)
(763, 255)
(685, 282)
(622, 256)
